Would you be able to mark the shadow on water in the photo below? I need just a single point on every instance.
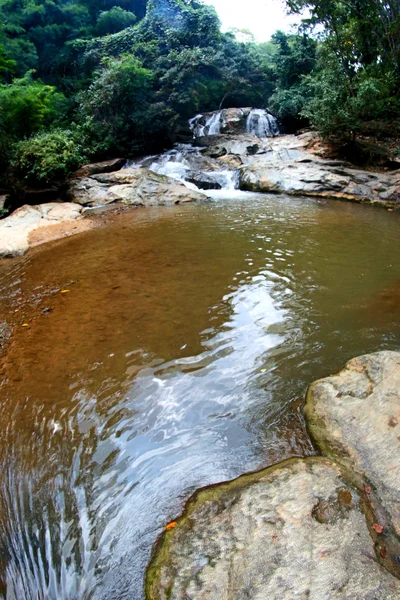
(177, 357)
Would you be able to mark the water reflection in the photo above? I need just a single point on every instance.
(174, 370)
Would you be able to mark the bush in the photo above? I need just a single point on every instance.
(114, 20)
(47, 158)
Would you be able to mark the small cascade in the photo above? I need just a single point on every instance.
(261, 123)
(202, 125)
(186, 164)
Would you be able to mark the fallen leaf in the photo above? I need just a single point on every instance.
(65, 291)
(368, 489)
(378, 528)
(384, 552)
(26, 325)
(171, 526)
(263, 371)
(393, 422)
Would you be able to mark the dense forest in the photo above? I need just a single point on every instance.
(89, 79)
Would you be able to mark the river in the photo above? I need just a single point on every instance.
(167, 351)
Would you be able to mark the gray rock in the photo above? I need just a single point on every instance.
(134, 186)
(106, 166)
(292, 531)
(355, 419)
(239, 145)
(289, 168)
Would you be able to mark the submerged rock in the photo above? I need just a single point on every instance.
(133, 186)
(291, 531)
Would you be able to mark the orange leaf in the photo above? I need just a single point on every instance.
(378, 528)
(171, 526)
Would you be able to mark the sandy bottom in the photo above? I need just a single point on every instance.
(50, 233)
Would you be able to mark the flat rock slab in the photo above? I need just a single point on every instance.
(16, 229)
(132, 186)
(290, 168)
(294, 531)
(354, 417)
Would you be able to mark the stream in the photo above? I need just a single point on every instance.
(167, 351)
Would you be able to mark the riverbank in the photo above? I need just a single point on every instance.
(294, 165)
(320, 528)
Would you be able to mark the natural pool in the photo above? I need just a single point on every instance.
(177, 357)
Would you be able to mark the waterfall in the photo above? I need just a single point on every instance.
(202, 125)
(261, 123)
(214, 124)
(186, 164)
(255, 121)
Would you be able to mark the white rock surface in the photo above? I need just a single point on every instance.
(295, 531)
(15, 229)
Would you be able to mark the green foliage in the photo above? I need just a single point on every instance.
(127, 74)
(115, 108)
(26, 106)
(339, 108)
(7, 65)
(48, 157)
(114, 20)
(294, 58)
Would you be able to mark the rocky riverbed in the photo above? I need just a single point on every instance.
(321, 528)
(228, 152)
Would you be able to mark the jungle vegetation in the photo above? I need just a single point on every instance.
(83, 80)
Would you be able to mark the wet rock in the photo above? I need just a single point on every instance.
(240, 145)
(133, 186)
(106, 166)
(16, 229)
(292, 531)
(291, 169)
(354, 417)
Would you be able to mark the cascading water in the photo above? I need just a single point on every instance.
(254, 121)
(186, 164)
(261, 123)
(202, 125)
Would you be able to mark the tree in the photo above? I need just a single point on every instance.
(115, 110)
(114, 20)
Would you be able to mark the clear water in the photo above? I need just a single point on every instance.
(178, 358)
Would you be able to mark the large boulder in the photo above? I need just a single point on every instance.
(296, 530)
(133, 186)
(354, 417)
(316, 528)
(289, 168)
(239, 145)
(15, 230)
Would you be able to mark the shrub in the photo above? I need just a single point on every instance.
(48, 157)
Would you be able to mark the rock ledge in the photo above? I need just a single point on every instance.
(321, 528)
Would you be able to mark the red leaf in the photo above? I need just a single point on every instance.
(384, 552)
(378, 528)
